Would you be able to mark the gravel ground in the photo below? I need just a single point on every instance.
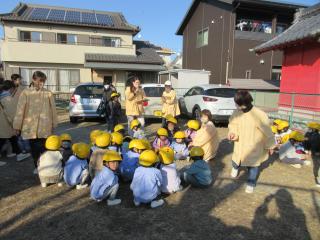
(285, 204)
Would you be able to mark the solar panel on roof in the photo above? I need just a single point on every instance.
(104, 19)
(73, 17)
(39, 13)
(89, 18)
(56, 15)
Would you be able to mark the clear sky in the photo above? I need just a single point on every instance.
(158, 19)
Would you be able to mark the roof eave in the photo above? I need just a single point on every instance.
(133, 30)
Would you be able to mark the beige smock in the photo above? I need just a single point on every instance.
(170, 104)
(133, 105)
(36, 115)
(207, 138)
(7, 113)
(254, 135)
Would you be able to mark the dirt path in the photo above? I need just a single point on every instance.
(285, 205)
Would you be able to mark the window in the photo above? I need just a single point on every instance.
(248, 74)
(276, 73)
(153, 91)
(28, 36)
(68, 79)
(57, 79)
(202, 37)
(66, 38)
(254, 25)
(195, 91)
(89, 91)
(221, 92)
(111, 42)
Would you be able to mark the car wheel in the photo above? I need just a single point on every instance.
(197, 114)
(73, 119)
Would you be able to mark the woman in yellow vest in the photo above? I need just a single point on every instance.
(249, 129)
(170, 104)
(135, 96)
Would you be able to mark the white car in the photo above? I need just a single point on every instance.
(85, 100)
(218, 99)
(153, 105)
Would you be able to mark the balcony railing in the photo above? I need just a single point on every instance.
(71, 44)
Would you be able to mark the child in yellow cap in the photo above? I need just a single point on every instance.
(172, 127)
(193, 127)
(147, 181)
(76, 171)
(170, 177)
(105, 184)
(136, 128)
(312, 138)
(199, 173)
(288, 152)
(101, 147)
(161, 139)
(66, 151)
(50, 163)
(179, 146)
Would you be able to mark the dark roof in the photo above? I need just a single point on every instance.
(305, 27)
(275, 4)
(144, 55)
(36, 13)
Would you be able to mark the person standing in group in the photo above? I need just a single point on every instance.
(36, 115)
(23, 144)
(249, 129)
(135, 96)
(170, 104)
(109, 89)
(114, 110)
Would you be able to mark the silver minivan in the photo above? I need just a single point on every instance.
(85, 100)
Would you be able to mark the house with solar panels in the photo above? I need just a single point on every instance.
(73, 46)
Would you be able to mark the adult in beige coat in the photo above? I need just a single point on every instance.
(134, 96)
(36, 115)
(170, 104)
(7, 112)
(249, 129)
(207, 136)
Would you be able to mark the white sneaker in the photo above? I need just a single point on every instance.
(318, 185)
(81, 186)
(307, 162)
(23, 156)
(44, 185)
(113, 202)
(249, 189)
(137, 204)
(234, 172)
(60, 184)
(35, 171)
(157, 203)
(10, 155)
(2, 163)
(296, 165)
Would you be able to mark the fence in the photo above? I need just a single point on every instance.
(296, 108)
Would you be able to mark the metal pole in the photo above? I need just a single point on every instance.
(292, 108)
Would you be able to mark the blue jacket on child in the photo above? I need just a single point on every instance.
(146, 184)
(180, 150)
(201, 171)
(105, 179)
(73, 170)
(129, 164)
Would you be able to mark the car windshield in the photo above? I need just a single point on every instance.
(221, 92)
(153, 91)
(89, 91)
